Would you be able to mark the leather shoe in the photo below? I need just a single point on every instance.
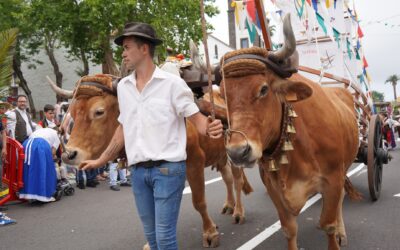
(125, 184)
(114, 188)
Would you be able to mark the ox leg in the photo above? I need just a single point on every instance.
(330, 207)
(238, 214)
(227, 176)
(195, 177)
(341, 231)
(288, 220)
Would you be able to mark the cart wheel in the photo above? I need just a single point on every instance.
(375, 163)
(69, 191)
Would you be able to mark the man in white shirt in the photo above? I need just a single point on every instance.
(153, 107)
(19, 122)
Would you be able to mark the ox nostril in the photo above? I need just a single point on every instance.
(239, 153)
(70, 155)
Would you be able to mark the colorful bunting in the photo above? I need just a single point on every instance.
(357, 55)
(299, 9)
(334, 4)
(251, 10)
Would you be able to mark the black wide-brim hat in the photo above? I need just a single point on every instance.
(142, 30)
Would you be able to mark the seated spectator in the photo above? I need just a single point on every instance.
(48, 120)
(39, 177)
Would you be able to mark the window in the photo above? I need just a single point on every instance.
(216, 51)
(244, 43)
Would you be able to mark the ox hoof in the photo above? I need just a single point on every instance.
(211, 240)
(146, 246)
(342, 240)
(227, 210)
(238, 219)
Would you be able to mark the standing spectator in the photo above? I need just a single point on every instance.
(19, 121)
(114, 172)
(40, 179)
(48, 120)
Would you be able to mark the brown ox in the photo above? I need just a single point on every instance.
(259, 98)
(95, 113)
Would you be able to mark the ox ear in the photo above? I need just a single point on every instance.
(293, 91)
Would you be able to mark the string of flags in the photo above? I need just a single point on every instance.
(319, 10)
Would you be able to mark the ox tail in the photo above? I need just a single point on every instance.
(351, 191)
(247, 188)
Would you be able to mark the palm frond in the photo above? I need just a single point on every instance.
(8, 40)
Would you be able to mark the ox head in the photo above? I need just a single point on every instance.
(256, 85)
(94, 110)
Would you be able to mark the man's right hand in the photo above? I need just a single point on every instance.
(91, 164)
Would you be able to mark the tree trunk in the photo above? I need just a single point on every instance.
(49, 47)
(394, 90)
(22, 83)
(85, 63)
(108, 65)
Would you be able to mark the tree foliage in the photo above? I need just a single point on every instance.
(8, 40)
(393, 79)
(378, 96)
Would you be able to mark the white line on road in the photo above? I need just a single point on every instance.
(397, 195)
(268, 232)
(187, 189)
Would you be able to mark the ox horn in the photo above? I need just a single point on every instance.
(197, 63)
(59, 91)
(289, 45)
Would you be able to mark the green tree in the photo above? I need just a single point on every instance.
(8, 40)
(393, 80)
(378, 96)
(11, 17)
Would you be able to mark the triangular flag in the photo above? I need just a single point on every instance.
(309, 2)
(365, 63)
(357, 55)
(252, 31)
(251, 10)
(348, 48)
(358, 44)
(336, 34)
(359, 32)
(315, 4)
(334, 4)
(321, 22)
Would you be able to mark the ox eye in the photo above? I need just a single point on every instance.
(263, 90)
(99, 112)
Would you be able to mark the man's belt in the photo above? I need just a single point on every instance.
(149, 164)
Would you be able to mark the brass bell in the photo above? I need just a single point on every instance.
(290, 129)
(272, 165)
(284, 159)
(288, 146)
(292, 113)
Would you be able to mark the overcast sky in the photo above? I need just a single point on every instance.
(381, 41)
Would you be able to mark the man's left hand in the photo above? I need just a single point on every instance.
(214, 128)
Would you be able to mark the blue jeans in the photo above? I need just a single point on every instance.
(158, 195)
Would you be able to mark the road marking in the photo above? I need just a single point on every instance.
(397, 195)
(268, 232)
(187, 189)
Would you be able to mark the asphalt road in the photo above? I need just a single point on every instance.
(98, 218)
